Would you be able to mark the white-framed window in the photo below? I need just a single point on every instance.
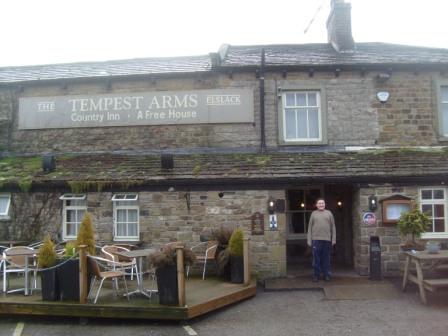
(444, 110)
(126, 217)
(433, 202)
(5, 202)
(302, 116)
(73, 210)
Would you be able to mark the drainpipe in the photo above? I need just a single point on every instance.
(262, 114)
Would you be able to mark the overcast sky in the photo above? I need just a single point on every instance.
(61, 31)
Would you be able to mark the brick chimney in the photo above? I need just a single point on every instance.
(339, 27)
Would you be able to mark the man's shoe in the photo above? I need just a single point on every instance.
(327, 278)
(315, 279)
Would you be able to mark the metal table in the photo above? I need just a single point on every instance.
(139, 255)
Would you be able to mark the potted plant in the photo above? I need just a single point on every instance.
(165, 263)
(413, 223)
(236, 256)
(68, 272)
(47, 258)
(222, 236)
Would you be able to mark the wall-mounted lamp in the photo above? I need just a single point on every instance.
(383, 96)
(339, 204)
(373, 203)
(271, 206)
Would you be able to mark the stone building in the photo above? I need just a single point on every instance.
(166, 149)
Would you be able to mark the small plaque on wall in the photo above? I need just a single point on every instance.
(257, 224)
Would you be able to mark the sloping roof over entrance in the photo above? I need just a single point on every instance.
(135, 171)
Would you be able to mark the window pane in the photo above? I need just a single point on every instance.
(438, 194)
(302, 123)
(121, 216)
(313, 117)
(426, 194)
(80, 215)
(290, 119)
(71, 229)
(290, 99)
(301, 99)
(445, 118)
(4, 202)
(439, 225)
(439, 210)
(445, 94)
(312, 99)
(298, 222)
(132, 215)
(121, 229)
(296, 200)
(132, 227)
(427, 209)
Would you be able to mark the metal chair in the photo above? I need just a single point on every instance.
(104, 275)
(122, 263)
(209, 255)
(18, 264)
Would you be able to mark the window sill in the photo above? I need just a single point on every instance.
(302, 143)
(5, 218)
(441, 235)
(127, 239)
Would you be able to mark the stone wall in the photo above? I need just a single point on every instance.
(154, 138)
(164, 217)
(389, 238)
(354, 114)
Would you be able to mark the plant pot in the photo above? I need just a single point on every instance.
(223, 262)
(237, 269)
(68, 277)
(50, 285)
(167, 285)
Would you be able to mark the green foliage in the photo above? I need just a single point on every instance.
(414, 223)
(86, 235)
(70, 249)
(236, 243)
(47, 254)
(167, 257)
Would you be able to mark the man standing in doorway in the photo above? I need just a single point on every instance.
(321, 237)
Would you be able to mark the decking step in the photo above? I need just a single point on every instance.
(436, 282)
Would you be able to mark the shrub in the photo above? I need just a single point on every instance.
(413, 222)
(47, 254)
(167, 257)
(86, 235)
(222, 235)
(236, 243)
(70, 249)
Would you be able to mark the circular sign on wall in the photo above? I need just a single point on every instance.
(369, 218)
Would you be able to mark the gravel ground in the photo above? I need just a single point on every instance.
(309, 313)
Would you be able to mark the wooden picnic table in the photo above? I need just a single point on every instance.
(419, 258)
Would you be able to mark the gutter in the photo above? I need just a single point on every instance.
(262, 111)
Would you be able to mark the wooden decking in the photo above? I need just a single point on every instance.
(202, 296)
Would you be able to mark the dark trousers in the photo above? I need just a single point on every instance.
(321, 257)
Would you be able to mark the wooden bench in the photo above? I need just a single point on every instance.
(434, 284)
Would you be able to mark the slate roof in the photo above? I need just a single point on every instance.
(243, 169)
(142, 66)
(296, 55)
(322, 54)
